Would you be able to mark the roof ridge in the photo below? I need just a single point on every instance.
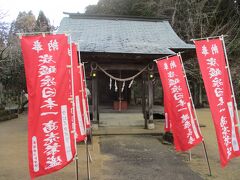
(115, 17)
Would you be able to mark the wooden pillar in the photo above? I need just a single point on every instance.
(195, 94)
(162, 95)
(95, 99)
(200, 94)
(144, 99)
(150, 102)
(1, 93)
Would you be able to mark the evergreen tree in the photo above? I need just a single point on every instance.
(42, 23)
(25, 22)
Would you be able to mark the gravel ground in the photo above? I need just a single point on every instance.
(142, 158)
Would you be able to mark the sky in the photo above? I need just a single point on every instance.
(53, 9)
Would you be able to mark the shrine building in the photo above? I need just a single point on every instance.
(119, 53)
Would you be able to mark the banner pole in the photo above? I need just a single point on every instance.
(34, 33)
(73, 111)
(213, 37)
(87, 131)
(195, 113)
(190, 155)
(206, 156)
(88, 113)
(84, 74)
(88, 167)
(82, 91)
(165, 57)
(230, 79)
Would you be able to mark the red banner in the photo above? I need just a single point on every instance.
(185, 128)
(212, 63)
(51, 143)
(79, 116)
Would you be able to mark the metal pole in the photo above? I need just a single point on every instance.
(73, 109)
(82, 90)
(230, 79)
(88, 167)
(204, 147)
(76, 166)
(84, 75)
(213, 37)
(165, 57)
(87, 111)
(90, 156)
(83, 79)
(190, 155)
(206, 156)
(34, 33)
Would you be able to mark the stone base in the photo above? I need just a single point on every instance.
(94, 127)
(151, 126)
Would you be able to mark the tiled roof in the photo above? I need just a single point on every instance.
(122, 35)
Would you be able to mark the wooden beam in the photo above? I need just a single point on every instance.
(117, 66)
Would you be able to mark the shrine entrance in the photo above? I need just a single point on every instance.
(123, 91)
